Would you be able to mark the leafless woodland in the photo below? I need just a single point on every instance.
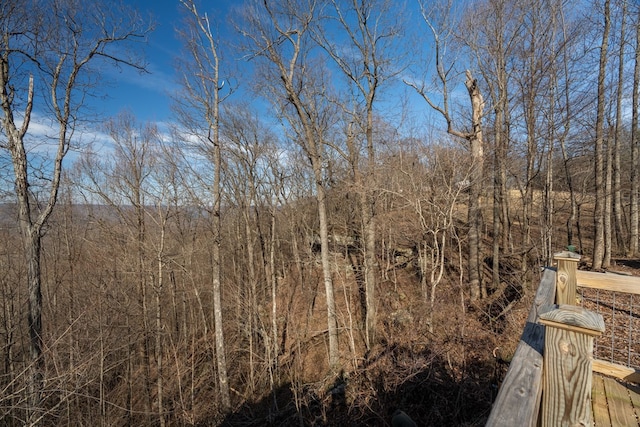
(371, 242)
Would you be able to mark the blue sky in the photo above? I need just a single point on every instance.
(147, 95)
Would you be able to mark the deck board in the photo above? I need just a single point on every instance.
(634, 393)
(620, 409)
(601, 416)
(615, 391)
(614, 403)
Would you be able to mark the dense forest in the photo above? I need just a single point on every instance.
(347, 215)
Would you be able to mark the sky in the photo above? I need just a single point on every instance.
(147, 95)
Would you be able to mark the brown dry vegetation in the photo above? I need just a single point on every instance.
(189, 278)
(99, 346)
(96, 337)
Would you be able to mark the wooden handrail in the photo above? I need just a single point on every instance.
(609, 281)
(518, 400)
(614, 283)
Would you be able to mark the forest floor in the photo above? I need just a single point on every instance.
(444, 370)
(444, 373)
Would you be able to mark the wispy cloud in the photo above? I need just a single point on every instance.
(155, 79)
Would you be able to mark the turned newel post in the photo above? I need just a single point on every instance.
(568, 356)
(566, 277)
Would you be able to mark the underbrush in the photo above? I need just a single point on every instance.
(447, 377)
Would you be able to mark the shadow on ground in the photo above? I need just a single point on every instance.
(420, 382)
(628, 263)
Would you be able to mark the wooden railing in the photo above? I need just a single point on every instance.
(613, 283)
(561, 369)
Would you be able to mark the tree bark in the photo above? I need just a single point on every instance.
(476, 142)
(364, 63)
(28, 42)
(477, 288)
(608, 200)
(221, 361)
(599, 154)
(635, 148)
(203, 94)
(368, 212)
(30, 231)
(617, 173)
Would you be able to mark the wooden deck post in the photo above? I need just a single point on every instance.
(566, 277)
(568, 356)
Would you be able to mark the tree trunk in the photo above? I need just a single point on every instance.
(635, 149)
(63, 88)
(617, 173)
(145, 346)
(608, 200)
(253, 291)
(101, 385)
(368, 212)
(476, 285)
(221, 361)
(286, 49)
(500, 213)
(332, 318)
(530, 111)
(33, 248)
(8, 323)
(599, 154)
(370, 264)
(548, 202)
(567, 126)
(274, 366)
(30, 232)
(203, 97)
(158, 327)
(32, 244)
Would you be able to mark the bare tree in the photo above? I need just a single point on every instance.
(249, 141)
(432, 189)
(571, 31)
(122, 182)
(165, 195)
(371, 28)
(635, 145)
(199, 113)
(281, 35)
(599, 154)
(474, 138)
(492, 44)
(617, 143)
(46, 52)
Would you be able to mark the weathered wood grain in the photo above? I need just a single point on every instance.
(567, 365)
(601, 416)
(608, 281)
(634, 393)
(615, 370)
(573, 318)
(620, 409)
(518, 400)
(566, 277)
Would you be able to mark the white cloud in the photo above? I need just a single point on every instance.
(156, 79)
